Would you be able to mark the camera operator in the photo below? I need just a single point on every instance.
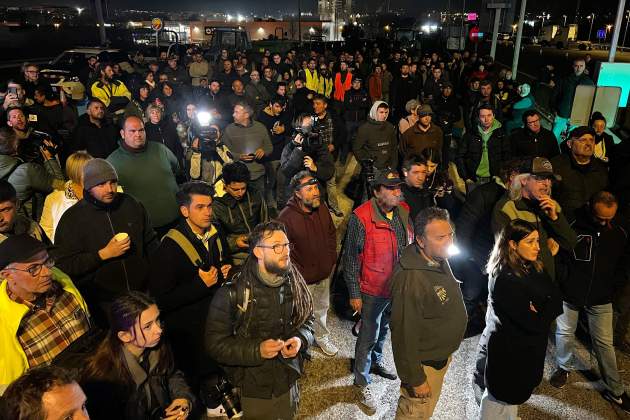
(305, 151)
(32, 180)
(207, 154)
(52, 113)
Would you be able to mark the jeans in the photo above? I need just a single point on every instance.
(321, 302)
(351, 130)
(600, 325)
(493, 409)
(272, 182)
(375, 315)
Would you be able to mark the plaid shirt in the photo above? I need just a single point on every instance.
(53, 322)
(326, 130)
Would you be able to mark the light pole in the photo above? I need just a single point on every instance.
(591, 17)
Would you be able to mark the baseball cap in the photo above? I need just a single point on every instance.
(541, 166)
(578, 132)
(19, 248)
(425, 110)
(386, 177)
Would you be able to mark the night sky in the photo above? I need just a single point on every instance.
(273, 6)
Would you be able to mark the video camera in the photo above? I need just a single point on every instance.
(29, 149)
(207, 134)
(310, 135)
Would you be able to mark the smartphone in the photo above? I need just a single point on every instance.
(13, 90)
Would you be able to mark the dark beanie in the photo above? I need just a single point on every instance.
(98, 171)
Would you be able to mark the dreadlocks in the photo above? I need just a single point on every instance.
(302, 299)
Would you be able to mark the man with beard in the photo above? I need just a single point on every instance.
(312, 232)
(95, 133)
(256, 93)
(103, 241)
(378, 230)
(423, 135)
(12, 223)
(530, 200)
(582, 175)
(41, 310)
(113, 93)
(261, 345)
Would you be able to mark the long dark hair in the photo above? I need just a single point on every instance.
(108, 362)
(503, 256)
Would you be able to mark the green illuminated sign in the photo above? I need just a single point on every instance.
(616, 74)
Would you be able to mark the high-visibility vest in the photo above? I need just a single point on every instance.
(312, 80)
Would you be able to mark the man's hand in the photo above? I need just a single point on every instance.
(331, 148)
(9, 99)
(178, 410)
(422, 390)
(278, 129)
(115, 248)
(241, 242)
(209, 277)
(548, 205)
(44, 151)
(298, 139)
(260, 153)
(270, 348)
(356, 305)
(291, 347)
(553, 246)
(247, 158)
(225, 270)
(310, 164)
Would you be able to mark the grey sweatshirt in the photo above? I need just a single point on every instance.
(243, 140)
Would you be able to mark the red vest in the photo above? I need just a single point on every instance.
(380, 249)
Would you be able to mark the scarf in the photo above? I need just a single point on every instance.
(271, 280)
(342, 87)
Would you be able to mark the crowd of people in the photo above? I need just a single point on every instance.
(174, 247)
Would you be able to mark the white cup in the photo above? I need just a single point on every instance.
(119, 237)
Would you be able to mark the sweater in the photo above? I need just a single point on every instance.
(154, 186)
(243, 140)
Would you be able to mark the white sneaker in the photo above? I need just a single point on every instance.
(326, 346)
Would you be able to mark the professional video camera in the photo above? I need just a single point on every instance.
(218, 391)
(207, 134)
(29, 149)
(310, 135)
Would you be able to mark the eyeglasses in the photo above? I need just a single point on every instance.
(278, 248)
(533, 122)
(35, 269)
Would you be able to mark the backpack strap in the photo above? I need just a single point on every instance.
(186, 246)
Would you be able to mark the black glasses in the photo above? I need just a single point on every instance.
(278, 248)
(35, 269)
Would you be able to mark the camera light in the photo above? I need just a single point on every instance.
(453, 250)
(204, 118)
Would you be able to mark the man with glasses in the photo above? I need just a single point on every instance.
(533, 139)
(41, 311)
(312, 232)
(31, 79)
(378, 231)
(260, 326)
(582, 174)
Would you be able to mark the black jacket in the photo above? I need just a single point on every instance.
(471, 150)
(525, 143)
(292, 161)
(597, 266)
(87, 227)
(165, 132)
(234, 340)
(376, 140)
(401, 91)
(579, 182)
(99, 142)
(356, 105)
(514, 341)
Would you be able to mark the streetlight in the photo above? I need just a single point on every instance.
(590, 17)
(79, 10)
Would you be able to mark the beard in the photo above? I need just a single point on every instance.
(274, 267)
(313, 203)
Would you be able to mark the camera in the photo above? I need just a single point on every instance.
(29, 148)
(368, 172)
(219, 391)
(310, 135)
(207, 134)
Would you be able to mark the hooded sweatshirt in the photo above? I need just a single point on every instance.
(313, 236)
(483, 170)
(376, 140)
(428, 315)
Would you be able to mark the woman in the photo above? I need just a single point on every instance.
(163, 130)
(522, 303)
(58, 201)
(131, 375)
(412, 118)
(149, 79)
(604, 143)
(138, 104)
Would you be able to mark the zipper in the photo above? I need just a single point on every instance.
(590, 284)
(121, 261)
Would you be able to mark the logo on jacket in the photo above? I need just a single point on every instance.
(441, 294)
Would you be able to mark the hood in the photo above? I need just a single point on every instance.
(411, 259)
(495, 124)
(293, 204)
(375, 106)
(7, 165)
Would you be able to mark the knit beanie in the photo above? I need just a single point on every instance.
(98, 171)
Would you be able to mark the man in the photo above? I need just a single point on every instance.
(417, 198)
(113, 93)
(433, 86)
(216, 99)
(305, 151)
(240, 210)
(355, 109)
(32, 180)
(269, 79)
(177, 74)
(190, 264)
(41, 311)
(302, 98)
(482, 150)
(256, 93)
(226, 76)
(198, 69)
(249, 142)
(376, 139)
(16, 96)
(94, 133)
(377, 232)
(564, 94)
(403, 89)
(423, 135)
(333, 134)
(485, 97)
(30, 79)
(12, 223)
(154, 186)
(343, 83)
(104, 240)
(51, 112)
(237, 95)
(428, 315)
(89, 71)
(593, 270)
(530, 200)
(45, 393)
(312, 232)
(276, 120)
(533, 139)
(582, 175)
(310, 75)
(261, 345)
